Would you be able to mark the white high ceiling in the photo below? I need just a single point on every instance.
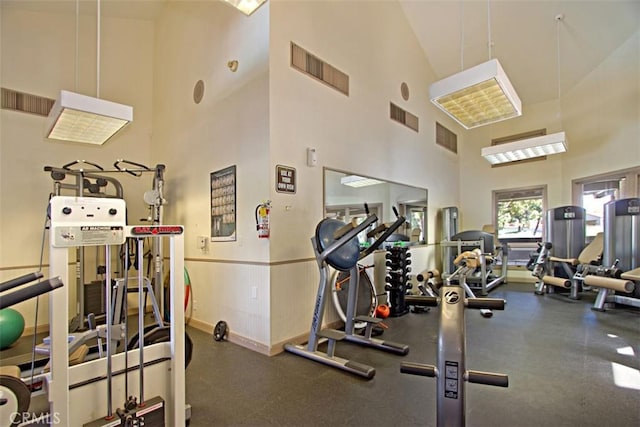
(523, 33)
(525, 38)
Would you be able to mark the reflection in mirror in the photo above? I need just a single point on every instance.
(345, 195)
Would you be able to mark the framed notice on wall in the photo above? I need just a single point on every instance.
(223, 204)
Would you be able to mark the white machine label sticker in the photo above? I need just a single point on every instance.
(94, 235)
(451, 371)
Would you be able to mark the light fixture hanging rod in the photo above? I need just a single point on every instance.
(98, 51)
(77, 45)
(461, 35)
(489, 41)
(559, 18)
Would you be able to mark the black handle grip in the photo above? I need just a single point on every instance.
(91, 321)
(488, 378)
(422, 301)
(488, 303)
(29, 292)
(418, 369)
(366, 208)
(10, 284)
(395, 211)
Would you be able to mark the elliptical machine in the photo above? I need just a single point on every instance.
(336, 245)
(451, 369)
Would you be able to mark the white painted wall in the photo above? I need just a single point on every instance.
(229, 127)
(600, 116)
(375, 47)
(38, 57)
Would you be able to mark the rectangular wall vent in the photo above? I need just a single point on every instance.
(315, 67)
(26, 102)
(447, 139)
(402, 116)
(517, 137)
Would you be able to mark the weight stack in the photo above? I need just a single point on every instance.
(397, 279)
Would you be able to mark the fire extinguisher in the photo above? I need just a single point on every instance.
(262, 219)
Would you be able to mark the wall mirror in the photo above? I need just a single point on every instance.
(346, 193)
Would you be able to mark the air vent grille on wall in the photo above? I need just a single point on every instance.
(512, 138)
(25, 102)
(401, 116)
(447, 139)
(315, 67)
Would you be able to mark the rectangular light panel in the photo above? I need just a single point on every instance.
(477, 96)
(358, 181)
(526, 148)
(80, 118)
(246, 6)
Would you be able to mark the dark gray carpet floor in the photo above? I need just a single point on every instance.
(567, 366)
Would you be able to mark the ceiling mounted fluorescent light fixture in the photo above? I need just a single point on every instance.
(480, 95)
(85, 119)
(526, 148)
(80, 118)
(358, 181)
(246, 6)
(532, 147)
(477, 96)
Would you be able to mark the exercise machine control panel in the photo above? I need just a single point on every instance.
(86, 221)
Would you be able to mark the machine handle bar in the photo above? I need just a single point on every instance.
(29, 292)
(422, 301)
(342, 231)
(398, 222)
(423, 370)
(350, 234)
(486, 303)
(487, 378)
(10, 284)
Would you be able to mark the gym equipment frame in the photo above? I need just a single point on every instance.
(478, 239)
(82, 178)
(81, 221)
(335, 244)
(451, 370)
(622, 252)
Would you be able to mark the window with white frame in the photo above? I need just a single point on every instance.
(593, 192)
(519, 220)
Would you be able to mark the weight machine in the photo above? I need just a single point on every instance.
(621, 283)
(83, 178)
(483, 278)
(451, 369)
(15, 395)
(563, 260)
(85, 221)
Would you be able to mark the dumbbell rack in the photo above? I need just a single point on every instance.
(397, 279)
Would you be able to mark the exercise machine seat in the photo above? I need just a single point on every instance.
(632, 275)
(590, 254)
(346, 256)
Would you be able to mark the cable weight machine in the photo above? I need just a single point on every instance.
(81, 221)
(82, 178)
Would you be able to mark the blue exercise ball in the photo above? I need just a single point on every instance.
(11, 327)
